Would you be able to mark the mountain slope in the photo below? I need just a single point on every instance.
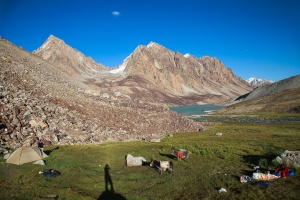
(289, 83)
(151, 73)
(182, 75)
(67, 59)
(285, 101)
(37, 101)
(281, 96)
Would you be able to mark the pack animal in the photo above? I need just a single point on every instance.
(181, 153)
(162, 166)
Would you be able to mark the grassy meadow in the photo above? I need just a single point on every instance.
(215, 162)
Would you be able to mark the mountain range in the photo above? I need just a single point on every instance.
(151, 73)
(59, 95)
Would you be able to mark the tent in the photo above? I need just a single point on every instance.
(25, 155)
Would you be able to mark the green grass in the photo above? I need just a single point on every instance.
(215, 162)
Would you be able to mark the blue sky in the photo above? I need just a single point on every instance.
(259, 38)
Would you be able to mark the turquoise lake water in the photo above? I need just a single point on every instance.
(194, 109)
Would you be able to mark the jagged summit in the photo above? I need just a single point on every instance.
(153, 69)
(68, 59)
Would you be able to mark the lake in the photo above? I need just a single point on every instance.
(195, 109)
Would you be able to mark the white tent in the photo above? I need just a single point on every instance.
(25, 155)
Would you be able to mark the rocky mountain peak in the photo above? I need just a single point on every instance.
(68, 59)
(183, 75)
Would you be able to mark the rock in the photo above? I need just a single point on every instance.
(134, 161)
(105, 95)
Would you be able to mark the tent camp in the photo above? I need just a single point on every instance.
(25, 155)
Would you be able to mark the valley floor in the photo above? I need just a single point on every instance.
(215, 162)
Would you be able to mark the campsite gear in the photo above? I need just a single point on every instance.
(50, 173)
(265, 177)
(292, 173)
(245, 179)
(284, 171)
(134, 161)
(222, 190)
(263, 184)
(255, 168)
(181, 153)
(25, 155)
(162, 166)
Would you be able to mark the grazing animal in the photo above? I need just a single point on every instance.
(181, 153)
(162, 165)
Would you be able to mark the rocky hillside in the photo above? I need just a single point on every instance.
(279, 86)
(281, 96)
(38, 100)
(285, 101)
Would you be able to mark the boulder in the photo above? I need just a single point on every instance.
(134, 161)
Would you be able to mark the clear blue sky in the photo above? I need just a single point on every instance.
(259, 38)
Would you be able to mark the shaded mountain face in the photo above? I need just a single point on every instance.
(280, 96)
(67, 59)
(283, 101)
(279, 86)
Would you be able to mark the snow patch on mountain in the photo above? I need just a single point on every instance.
(187, 55)
(150, 44)
(258, 81)
(121, 68)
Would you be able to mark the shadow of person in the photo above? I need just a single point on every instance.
(108, 180)
(109, 194)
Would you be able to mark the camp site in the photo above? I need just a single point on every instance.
(233, 165)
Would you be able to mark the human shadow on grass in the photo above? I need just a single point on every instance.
(109, 192)
(48, 152)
